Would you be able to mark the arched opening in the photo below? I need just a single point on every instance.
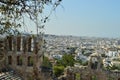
(24, 44)
(18, 43)
(30, 61)
(36, 48)
(19, 60)
(29, 44)
(32, 44)
(10, 60)
(10, 45)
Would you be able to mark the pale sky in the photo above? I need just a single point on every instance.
(99, 18)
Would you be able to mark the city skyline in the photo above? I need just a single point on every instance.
(98, 18)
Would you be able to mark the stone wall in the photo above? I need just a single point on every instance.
(2, 55)
(23, 54)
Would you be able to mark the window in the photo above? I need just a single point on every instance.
(36, 48)
(30, 61)
(19, 60)
(9, 60)
(18, 43)
(10, 43)
(24, 44)
(29, 44)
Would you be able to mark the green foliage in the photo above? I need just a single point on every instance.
(114, 67)
(94, 78)
(67, 60)
(85, 63)
(13, 12)
(46, 62)
(77, 76)
(58, 70)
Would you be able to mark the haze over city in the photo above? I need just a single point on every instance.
(98, 18)
(81, 40)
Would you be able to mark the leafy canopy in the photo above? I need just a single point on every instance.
(12, 13)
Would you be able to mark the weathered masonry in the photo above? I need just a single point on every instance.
(22, 54)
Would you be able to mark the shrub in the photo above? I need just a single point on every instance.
(58, 70)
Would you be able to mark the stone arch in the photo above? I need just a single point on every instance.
(36, 48)
(30, 61)
(10, 45)
(24, 44)
(19, 60)
(18, 43)
(29, 44)
(10, 60)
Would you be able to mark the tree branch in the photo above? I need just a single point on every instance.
(10, 2)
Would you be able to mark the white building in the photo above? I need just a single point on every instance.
(112, 54)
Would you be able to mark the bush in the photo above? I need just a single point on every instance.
(77, 76)
(46, 62)
(114, 67)
(58, 70)
(67, 60)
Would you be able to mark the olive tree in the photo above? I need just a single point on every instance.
(13, 12)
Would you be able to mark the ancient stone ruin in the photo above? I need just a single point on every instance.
(22, 55)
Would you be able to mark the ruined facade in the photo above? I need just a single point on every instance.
(93, 71)
(23, 55)
(2, 55)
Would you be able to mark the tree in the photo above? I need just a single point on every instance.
(67, 60)
(13, 12)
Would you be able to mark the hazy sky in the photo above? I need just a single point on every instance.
(99, 18)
